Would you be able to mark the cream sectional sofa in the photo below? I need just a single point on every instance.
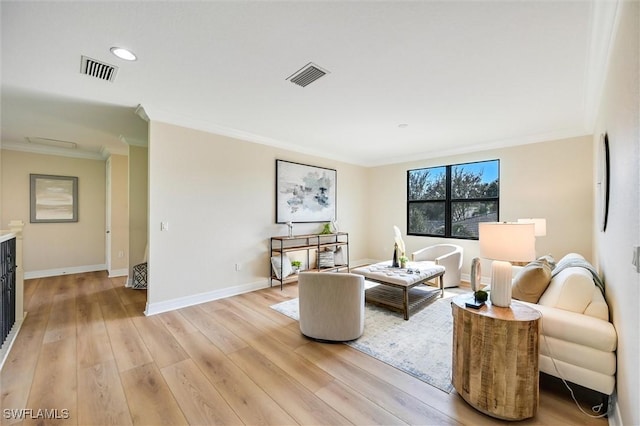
(577, 341)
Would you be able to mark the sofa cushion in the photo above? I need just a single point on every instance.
(603, 383)
(531, 281)
(592, 359)
(577, 328)
(598, 307)
(571, 290)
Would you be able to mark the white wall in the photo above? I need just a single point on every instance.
(552, 180)
(619, 117)
(217, 195)
(138, 206)
(119, 171)
(57, 248)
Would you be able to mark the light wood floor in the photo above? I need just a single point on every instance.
(86, 347)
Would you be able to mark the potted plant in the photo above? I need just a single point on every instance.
(480, 296)
(403, 261)
(295, 265)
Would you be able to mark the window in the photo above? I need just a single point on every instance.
(450, 201)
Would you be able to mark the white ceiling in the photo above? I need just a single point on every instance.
(464, 75)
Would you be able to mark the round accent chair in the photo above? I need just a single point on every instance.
(447, 255)
(331, 305)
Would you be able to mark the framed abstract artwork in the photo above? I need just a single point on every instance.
(304, 193)
(54, 199)
(603, 180)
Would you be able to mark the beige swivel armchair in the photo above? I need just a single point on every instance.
(447, 255)
(331, 305)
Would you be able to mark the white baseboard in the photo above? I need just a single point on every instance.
(196, 299)
(28, 275)
(119, 273)
(183, 302)
(483, 280)
(361, 262)
(615, 417)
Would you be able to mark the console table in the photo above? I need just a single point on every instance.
(308, 243)
(495, 358)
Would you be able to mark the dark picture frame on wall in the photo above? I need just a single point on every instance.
(305, 193)
(53, 199)
(604, 180)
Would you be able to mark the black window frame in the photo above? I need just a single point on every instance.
(449, 200)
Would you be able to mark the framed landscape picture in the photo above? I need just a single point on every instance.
(304, 193)
(54, 199)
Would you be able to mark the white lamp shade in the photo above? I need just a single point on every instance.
(508, 241)
(540, 225)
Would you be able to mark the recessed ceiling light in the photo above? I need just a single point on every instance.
(123, 53)
(403, 125)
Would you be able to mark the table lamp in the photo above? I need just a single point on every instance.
(540, 225)
(505, 242)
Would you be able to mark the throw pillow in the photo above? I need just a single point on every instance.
(326, 259)
(550, 260)
(532, 280)
(338, 257)
(281, 264)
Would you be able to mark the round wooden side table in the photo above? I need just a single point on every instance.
(495, 358)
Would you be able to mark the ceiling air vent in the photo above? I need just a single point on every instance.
(307, 75)
(98, 69)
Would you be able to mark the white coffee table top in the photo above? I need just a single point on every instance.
(414, 272)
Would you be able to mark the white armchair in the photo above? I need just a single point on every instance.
(447, 255)
(331, 305)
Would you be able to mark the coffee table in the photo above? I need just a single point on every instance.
(404, 279)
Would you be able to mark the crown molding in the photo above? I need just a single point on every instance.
(188, 122)
(50, 150)
(140, 112)
(163, 116)
(133, 142)
(484, 146)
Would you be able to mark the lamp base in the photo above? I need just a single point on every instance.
(500, 283)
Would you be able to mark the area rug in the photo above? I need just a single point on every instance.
(420, 347)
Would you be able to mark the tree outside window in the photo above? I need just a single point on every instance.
(450, 201)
